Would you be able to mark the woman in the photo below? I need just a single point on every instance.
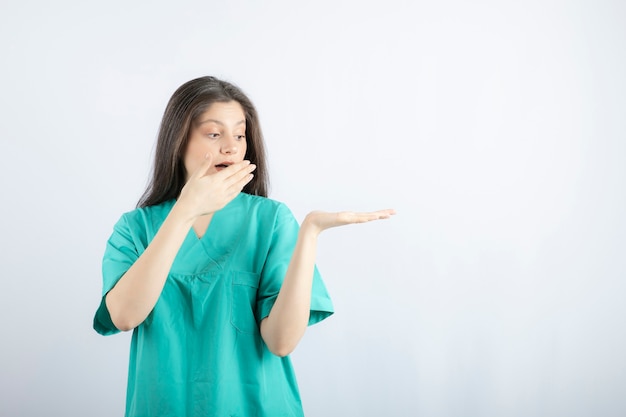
(217, 281)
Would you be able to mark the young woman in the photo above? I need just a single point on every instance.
(217, 282)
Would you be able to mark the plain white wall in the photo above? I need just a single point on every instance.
(497, 130)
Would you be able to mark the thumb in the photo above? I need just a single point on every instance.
(202, 170)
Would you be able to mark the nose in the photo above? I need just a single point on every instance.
(229, 146)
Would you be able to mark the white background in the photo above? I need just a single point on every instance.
(496, 129)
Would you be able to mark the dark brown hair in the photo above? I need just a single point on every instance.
(188, 103)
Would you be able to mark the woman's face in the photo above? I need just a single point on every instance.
(220, 131)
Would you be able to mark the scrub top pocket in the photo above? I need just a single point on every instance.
(244, 287)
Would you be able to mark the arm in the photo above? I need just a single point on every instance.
(134, 296)
(289, 317)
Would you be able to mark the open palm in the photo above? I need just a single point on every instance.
(322, 220)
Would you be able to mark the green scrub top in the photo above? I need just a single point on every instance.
(200, 352)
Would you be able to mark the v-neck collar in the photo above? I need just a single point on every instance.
(221, 238)
(205, 231)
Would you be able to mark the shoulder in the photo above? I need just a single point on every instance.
(144, 218)
(262, 203)
(266, 208)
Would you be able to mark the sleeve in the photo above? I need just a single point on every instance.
(283, 241)
(120, 254)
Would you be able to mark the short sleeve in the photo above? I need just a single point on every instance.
(283, 242)
(120, 254)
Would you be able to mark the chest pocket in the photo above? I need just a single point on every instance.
(244, 293)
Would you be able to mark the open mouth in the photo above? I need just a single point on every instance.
(224, 165)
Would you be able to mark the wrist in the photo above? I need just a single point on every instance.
(181, 213)
(309, 228)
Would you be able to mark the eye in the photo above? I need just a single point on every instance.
(213, 135)
(240, 137)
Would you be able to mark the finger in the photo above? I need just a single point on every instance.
(241, 177)
(363, 217)
(206, 165)
(352, 217)
(379, 214)
(233, 169)
(236, 186)
(382, 214)
(385, 214)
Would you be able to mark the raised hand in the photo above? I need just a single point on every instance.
(207, 192)
(319, 221)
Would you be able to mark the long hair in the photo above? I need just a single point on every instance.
(188, 103)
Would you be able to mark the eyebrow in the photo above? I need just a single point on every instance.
(241, 122)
